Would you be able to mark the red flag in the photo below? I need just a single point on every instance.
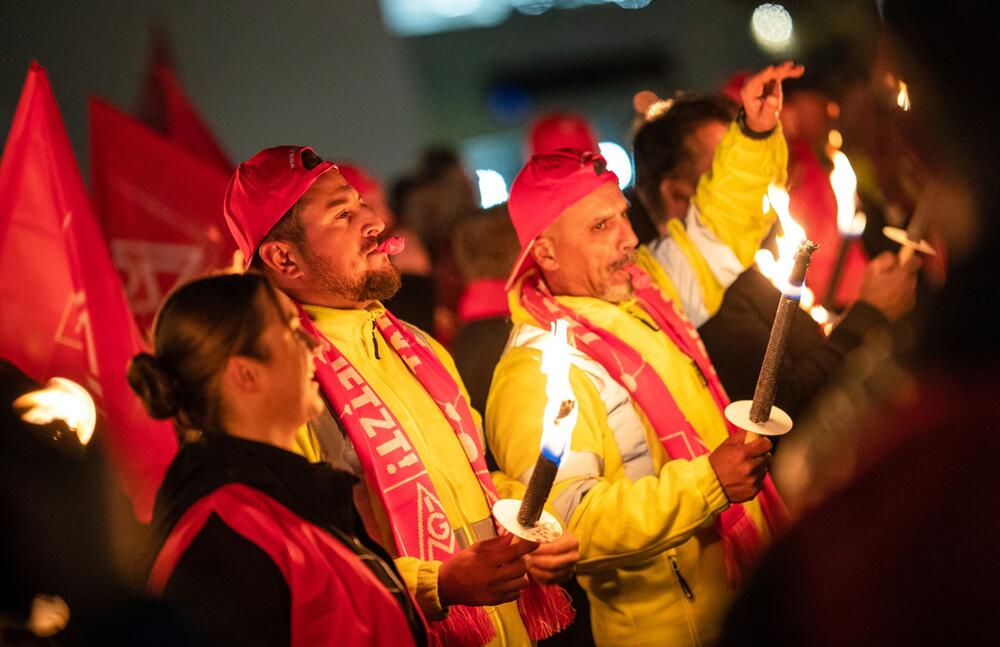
(160, 205)
(165, 107)
(64, 312)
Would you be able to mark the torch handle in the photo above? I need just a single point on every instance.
(767, 379)
(539, 487)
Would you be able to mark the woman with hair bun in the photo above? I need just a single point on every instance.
(257, 545)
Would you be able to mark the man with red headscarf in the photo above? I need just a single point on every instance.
(398, 415)
(660, 490)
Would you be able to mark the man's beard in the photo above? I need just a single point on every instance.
(624, 291)
(372, 285)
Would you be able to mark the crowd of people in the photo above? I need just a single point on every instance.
(338, 464)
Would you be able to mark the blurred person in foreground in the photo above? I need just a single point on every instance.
(733, 305)
(255, 543)
(905, 551)
(397, 414)
(661, 491)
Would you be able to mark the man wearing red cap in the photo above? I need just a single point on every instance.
(398, 415)
(670, 506)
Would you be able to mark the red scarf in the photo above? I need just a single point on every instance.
(419, 524)
(741, 539)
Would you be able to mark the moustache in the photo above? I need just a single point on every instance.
(626, 260)
(369, 244)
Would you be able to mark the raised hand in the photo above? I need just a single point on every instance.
(762, 97)
(488, 572)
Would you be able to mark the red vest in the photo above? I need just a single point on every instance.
(335, 599)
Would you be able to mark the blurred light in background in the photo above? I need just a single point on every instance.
(772, 27)
(618, 161)
(492, 188)
(422, 17)
(532, 7)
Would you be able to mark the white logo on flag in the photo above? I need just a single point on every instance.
(140, 261)
(76, 332)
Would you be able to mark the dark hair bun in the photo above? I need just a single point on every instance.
(153, 385)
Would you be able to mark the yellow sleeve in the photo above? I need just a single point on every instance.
(421, 578)
(730, 196)
(617, 521)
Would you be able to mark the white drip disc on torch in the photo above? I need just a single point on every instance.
(897, 235)
(738, 413)
(548, 528)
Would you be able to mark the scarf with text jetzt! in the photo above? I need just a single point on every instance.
(419, 524)
(741, 539)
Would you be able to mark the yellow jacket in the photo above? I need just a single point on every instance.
(644, 522)
(436, 444)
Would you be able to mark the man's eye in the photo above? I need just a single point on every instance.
(342, 215)
(601, 225)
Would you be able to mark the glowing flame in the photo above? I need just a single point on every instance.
(560, 405)
(61, 399)
(903, 97)
(820, 314)
(850, 221)
(778, 270)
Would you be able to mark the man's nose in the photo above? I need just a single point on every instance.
(371, 224)
(627, 238)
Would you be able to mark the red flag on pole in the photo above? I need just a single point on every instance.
(165, 107)
(182, 124)
(64, 311)
(160, 205)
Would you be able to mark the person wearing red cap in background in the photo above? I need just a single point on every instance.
(397, 413)
(732, 307)
(414, 303)
(561, 129)
(661, 492)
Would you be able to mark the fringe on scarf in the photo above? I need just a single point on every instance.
(545, 610)
(464, 627)
(741, 546)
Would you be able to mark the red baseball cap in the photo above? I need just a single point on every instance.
(548, 185)
(559, 130)
(263, 189)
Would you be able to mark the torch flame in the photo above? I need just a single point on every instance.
(561, 411)
(61, 399)
(903, 97)
(778, 270)
(850, 222)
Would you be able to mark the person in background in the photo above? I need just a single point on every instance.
(485, 249)
(415, 300)
(255, 543)
(734, 308)
(397, 414)
(661, 491)
(439, 197)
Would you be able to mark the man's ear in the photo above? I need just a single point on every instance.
(543, 251)
(281, 257)
(244, 374)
